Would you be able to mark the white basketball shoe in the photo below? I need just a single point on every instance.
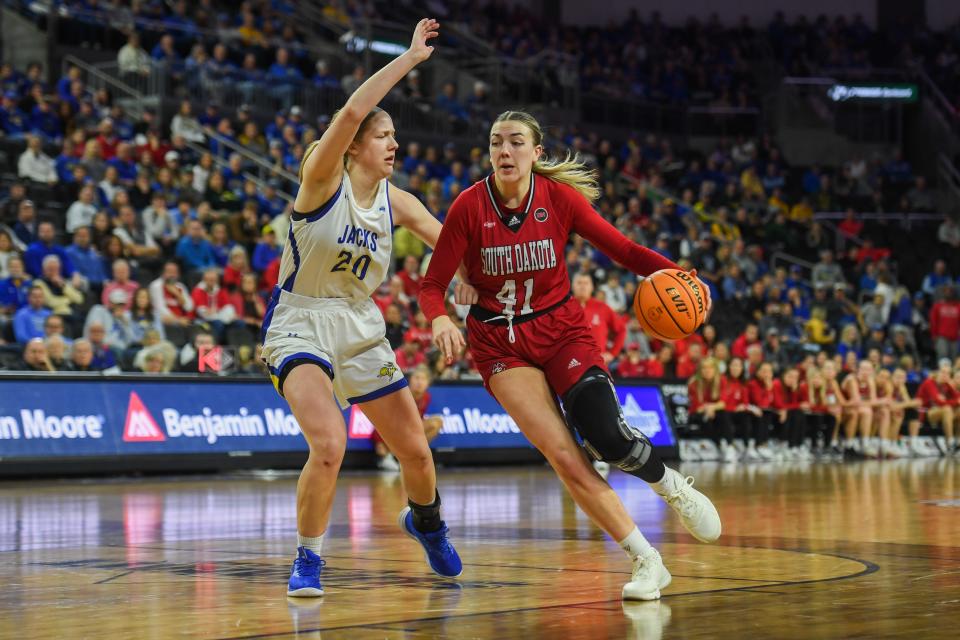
(697, 513)
(649, 577)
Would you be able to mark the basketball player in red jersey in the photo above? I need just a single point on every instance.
(531, 341)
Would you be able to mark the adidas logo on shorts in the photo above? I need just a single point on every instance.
(573, 363)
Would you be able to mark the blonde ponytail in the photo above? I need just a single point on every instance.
(573, 172)
(569, 171)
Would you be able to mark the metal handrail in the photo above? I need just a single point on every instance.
(249, 155)
(223, 162)
(139, 98)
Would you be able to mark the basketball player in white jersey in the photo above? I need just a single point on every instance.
(323, 336)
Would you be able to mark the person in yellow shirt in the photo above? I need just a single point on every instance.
(818, 331)
(801, 212)
(722, 228)
(751, 184)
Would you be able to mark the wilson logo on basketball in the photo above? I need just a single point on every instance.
(140, 425)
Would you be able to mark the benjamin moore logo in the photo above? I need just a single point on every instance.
(140, 425)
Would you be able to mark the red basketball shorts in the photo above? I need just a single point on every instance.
(559, 343)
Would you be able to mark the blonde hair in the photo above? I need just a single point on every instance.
(570, 171)
(699, 380)
(356, 138)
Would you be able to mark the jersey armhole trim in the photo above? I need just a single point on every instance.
(389, 206)
(320, 211)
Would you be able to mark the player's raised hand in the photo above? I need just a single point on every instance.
(447, 338)
(426, 30)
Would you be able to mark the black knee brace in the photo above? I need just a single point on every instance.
(592, 408)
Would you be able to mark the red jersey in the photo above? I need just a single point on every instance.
(698, 399)
(407, 363)
(424, 337)
(686, 366)
(411, 283)
(627, 369)
(937, 395)
(606, 326)
(816, 398)
(653, 368)
(739, 347)
(786, 398)
(422, 403)
(760, 395)
(735, 394)
(515, 258)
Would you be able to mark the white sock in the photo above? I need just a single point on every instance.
(666, 483)
(914, 440)
(314, 544)
(634, 544)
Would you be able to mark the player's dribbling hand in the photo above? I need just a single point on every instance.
(425, 31)
(705, 292)
(447, 338)
(464, 293)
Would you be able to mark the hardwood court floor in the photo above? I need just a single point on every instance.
(869, 550)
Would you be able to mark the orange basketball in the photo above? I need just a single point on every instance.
(669, 305)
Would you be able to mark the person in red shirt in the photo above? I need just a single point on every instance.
(860, 390)
(530, 338)
(738, 408)
(688, 363)
(706, 407)
(419, 381)
(940, 401)
(662, 365)
(750, 336)
(609, 329)
(632, 365)
(945, 323)
(410, 276)
(761, 396)
(420, 332)
(787, 398)
(813, 401)
(212, 304)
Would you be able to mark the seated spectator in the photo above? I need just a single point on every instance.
(250, 306)
(936, 279)
(826, 272)
(81, 356)
(411, 277)
(44, 246)
(86, 260)
(121, 331)
(121, 281)
(136, 242)
(171, 299)
(213, 305)
(25, 229)
(7, 251)
(35, 165)
(155, 362)
(10, 205)
(396, 325)
(54, 326)
(409, 356)
(185, 124)
(160, 223)
(940, 401)
(14, 289)
(448, 104)
(62, 296)
(57, 352)
(945, 323)
(632, 364)
(81, 212)
(266, 249)
(35, 357)
(104, 356)
(189, 358)
(28, 321)
(132, 59)
(283, 77)
(875, 312)
(194, 250)
(750, 336)
(236, 268)
(817, 330)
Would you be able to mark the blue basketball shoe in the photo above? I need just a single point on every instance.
(305, 575)
(440, 554)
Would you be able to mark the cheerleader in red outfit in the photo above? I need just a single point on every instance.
(787, 398)
(761, 396)
(739, 411)
(706, 408)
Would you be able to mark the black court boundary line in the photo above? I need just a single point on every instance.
(869, 568)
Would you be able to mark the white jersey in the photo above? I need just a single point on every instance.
(340, 250)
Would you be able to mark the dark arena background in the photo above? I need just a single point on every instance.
(804, 157)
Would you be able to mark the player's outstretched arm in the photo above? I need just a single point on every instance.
(324, 164)
(603, 235)
(409, 212)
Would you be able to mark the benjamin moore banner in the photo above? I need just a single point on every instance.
(75, 418)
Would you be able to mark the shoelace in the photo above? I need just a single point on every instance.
(302, 565)
(438, 539)
(642, 568)
(688, 508)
